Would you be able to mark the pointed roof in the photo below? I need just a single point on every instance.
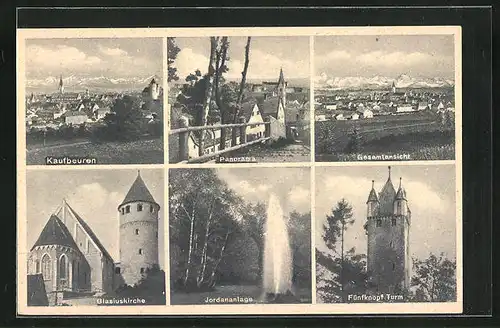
(387, 196)
(138, 192)
(372, 197)
(60, 81)
(401, 194)
(55, 233)
(153, 81)
(282, 77)
(87, 229)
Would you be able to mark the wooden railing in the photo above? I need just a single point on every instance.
(238, 129)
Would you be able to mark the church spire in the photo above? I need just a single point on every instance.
(389, 178)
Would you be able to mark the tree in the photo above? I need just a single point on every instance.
(125, 122)
(345, 270)
(299, 229)
(172, 52)
(150, 287)
(434, 279)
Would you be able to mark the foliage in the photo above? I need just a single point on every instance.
(151, 287)
(434, 279)
(125, 123)
(299, 228)
(343, 272)
(355, 141)
(63, 132)
(172, 52)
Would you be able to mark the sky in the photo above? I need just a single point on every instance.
(94, 194)
(428, 56)
(290, 185)
(430, 192)
(110, 57)
(267, 56)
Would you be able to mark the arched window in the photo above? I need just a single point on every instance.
(151, 208)
(139, 207)
(136, 231)
(46, 267)
(63, 267)
(140, 251)
(127, 209)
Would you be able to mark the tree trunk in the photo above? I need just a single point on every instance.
(191, 240)
(217, 262)
(242, 88)
(342, 262)
(221, 62)
(208, 91)
(201, 274)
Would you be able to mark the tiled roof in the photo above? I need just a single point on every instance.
(55, 233)
(138, 192)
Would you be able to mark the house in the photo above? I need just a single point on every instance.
(422, 106)
(331, 106)
(252, 114)
(320, 117)
(366, 113)
(75, 117)
(440, 106)
(340, 117)
(404, 108)
(102, 112)
(354, 116)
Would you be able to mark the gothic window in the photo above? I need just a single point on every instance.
(63, 267)
(393, 221)
(136, 231)
(139, 207)
(46, 267)
(379, 222)
(151, 208)
(140, 251)
(127, 209)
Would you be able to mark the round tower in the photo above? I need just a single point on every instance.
(138, 232)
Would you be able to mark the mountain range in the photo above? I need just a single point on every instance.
(93, 83)
(323, 81)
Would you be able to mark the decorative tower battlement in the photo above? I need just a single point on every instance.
(388, 228)
(138, 232)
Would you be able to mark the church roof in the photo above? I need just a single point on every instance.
(55, 233)
(138, 192)
(387, 197)
(88, 231)
(282, 77)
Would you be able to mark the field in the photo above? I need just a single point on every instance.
(134, 152)
(420, 135)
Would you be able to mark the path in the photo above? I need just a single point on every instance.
(296, 152)
(58, 146)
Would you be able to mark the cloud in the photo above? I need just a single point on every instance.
(60, 56)
(112, 51)
(188, 61)
(262, 65)
(300, 197)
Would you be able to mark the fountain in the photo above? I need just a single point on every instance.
(277, 269)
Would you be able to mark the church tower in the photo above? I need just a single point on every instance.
(281, 88)
(138, 232)
(154, 90)
(61, 85)
(393, 88)
(388, 228)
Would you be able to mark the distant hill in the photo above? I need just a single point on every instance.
(323, 81)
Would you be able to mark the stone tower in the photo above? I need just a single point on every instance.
(388, 229)
(138, 232)
(393, 87)
(154, 90)
(61, 85)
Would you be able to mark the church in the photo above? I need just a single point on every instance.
(73, 263)
(388, 229)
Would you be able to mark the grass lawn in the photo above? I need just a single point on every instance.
(248, 291)
(134, 152)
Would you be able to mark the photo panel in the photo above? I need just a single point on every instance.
(240, 236)
(96, 239)
(385, 97)
(93, 100)
(239, 99)
(387, 234)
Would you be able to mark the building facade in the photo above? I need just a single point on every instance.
(388, 229)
